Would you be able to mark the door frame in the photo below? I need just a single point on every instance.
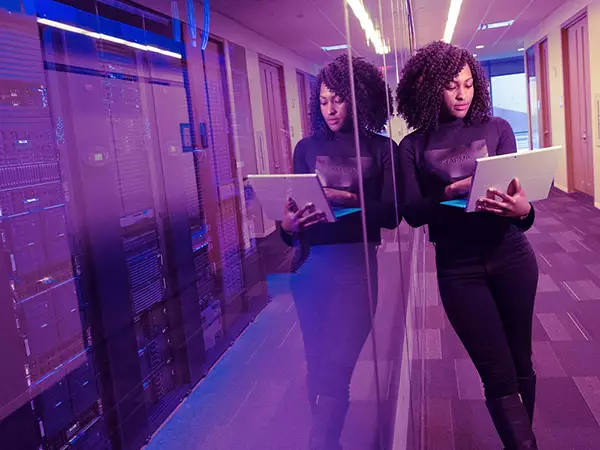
(542, 74)
(284, 105)
(566, 90)
(544, 93)
(304, 96)
(527, 76)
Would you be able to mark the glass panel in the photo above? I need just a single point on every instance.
(147, 288)
(533, 96)
(510, 102)
(386, 43)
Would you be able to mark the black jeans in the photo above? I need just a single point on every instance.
(332, 301)
(488, 293)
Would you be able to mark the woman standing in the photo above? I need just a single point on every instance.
(487, 270)
(330, 285)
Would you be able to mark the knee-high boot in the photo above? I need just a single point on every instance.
(512, 423)
(527, 386)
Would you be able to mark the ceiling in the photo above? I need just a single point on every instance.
(305, 26)
(498, 42)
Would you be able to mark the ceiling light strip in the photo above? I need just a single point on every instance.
(453, 13)
(491, 26)
(373, 35)
(108, 38)
(330, 48)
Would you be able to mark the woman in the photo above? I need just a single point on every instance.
(487, 270)
(330, 285)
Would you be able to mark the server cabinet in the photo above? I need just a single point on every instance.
(52, 396)
(123, 270)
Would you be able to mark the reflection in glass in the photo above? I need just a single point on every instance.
(134, 256)
(331, 284)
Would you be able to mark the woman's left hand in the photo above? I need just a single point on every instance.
(514, 203)
(341, 198)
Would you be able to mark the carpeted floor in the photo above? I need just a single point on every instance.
(566, 330)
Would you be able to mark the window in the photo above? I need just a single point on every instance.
(509, 100)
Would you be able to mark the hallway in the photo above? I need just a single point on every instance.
(255, 396)
(236, 407)
(566, 327)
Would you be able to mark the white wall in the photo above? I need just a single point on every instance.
(551, 28)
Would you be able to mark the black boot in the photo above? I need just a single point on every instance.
(512, 423)
(328, 423)
(527, 391)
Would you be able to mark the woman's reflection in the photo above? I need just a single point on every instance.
(329, 285)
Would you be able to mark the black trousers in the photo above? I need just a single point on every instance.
(331, 296)
(488, 293)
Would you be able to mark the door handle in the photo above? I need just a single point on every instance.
(584, 137)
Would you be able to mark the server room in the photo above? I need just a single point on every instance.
(161, 287)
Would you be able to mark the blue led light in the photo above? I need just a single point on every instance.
(206, 28)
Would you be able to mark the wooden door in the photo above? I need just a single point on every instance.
(275, 113)
(579, 107)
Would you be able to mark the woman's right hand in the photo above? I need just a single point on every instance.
(458, 189)
(296, 219)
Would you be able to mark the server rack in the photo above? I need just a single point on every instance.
(56, 399)
(146, 280)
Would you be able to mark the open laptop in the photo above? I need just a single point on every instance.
(273, 190)
(535, 170)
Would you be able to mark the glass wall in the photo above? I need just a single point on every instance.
(148, 293)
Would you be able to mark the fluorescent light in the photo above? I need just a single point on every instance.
(480, 47)
(372, 34)
(489, 26)
(521, 49)
(106, 37)
(453, 13)
(334, 47)
(474, 55)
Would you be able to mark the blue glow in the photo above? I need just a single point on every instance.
(206, 28)
(69, 15)
(11, 5)
(192, 20)
(29, 6)
(176, 21)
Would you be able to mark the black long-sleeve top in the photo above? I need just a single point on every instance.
(334, 161)
(426, 171)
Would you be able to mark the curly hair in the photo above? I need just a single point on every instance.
(419, 94)
(371, 91)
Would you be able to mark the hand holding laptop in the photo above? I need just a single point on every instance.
(458, 189)
(531, 171)
(338, 197)
(309, 199)
(513, 204)
(297, 219)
